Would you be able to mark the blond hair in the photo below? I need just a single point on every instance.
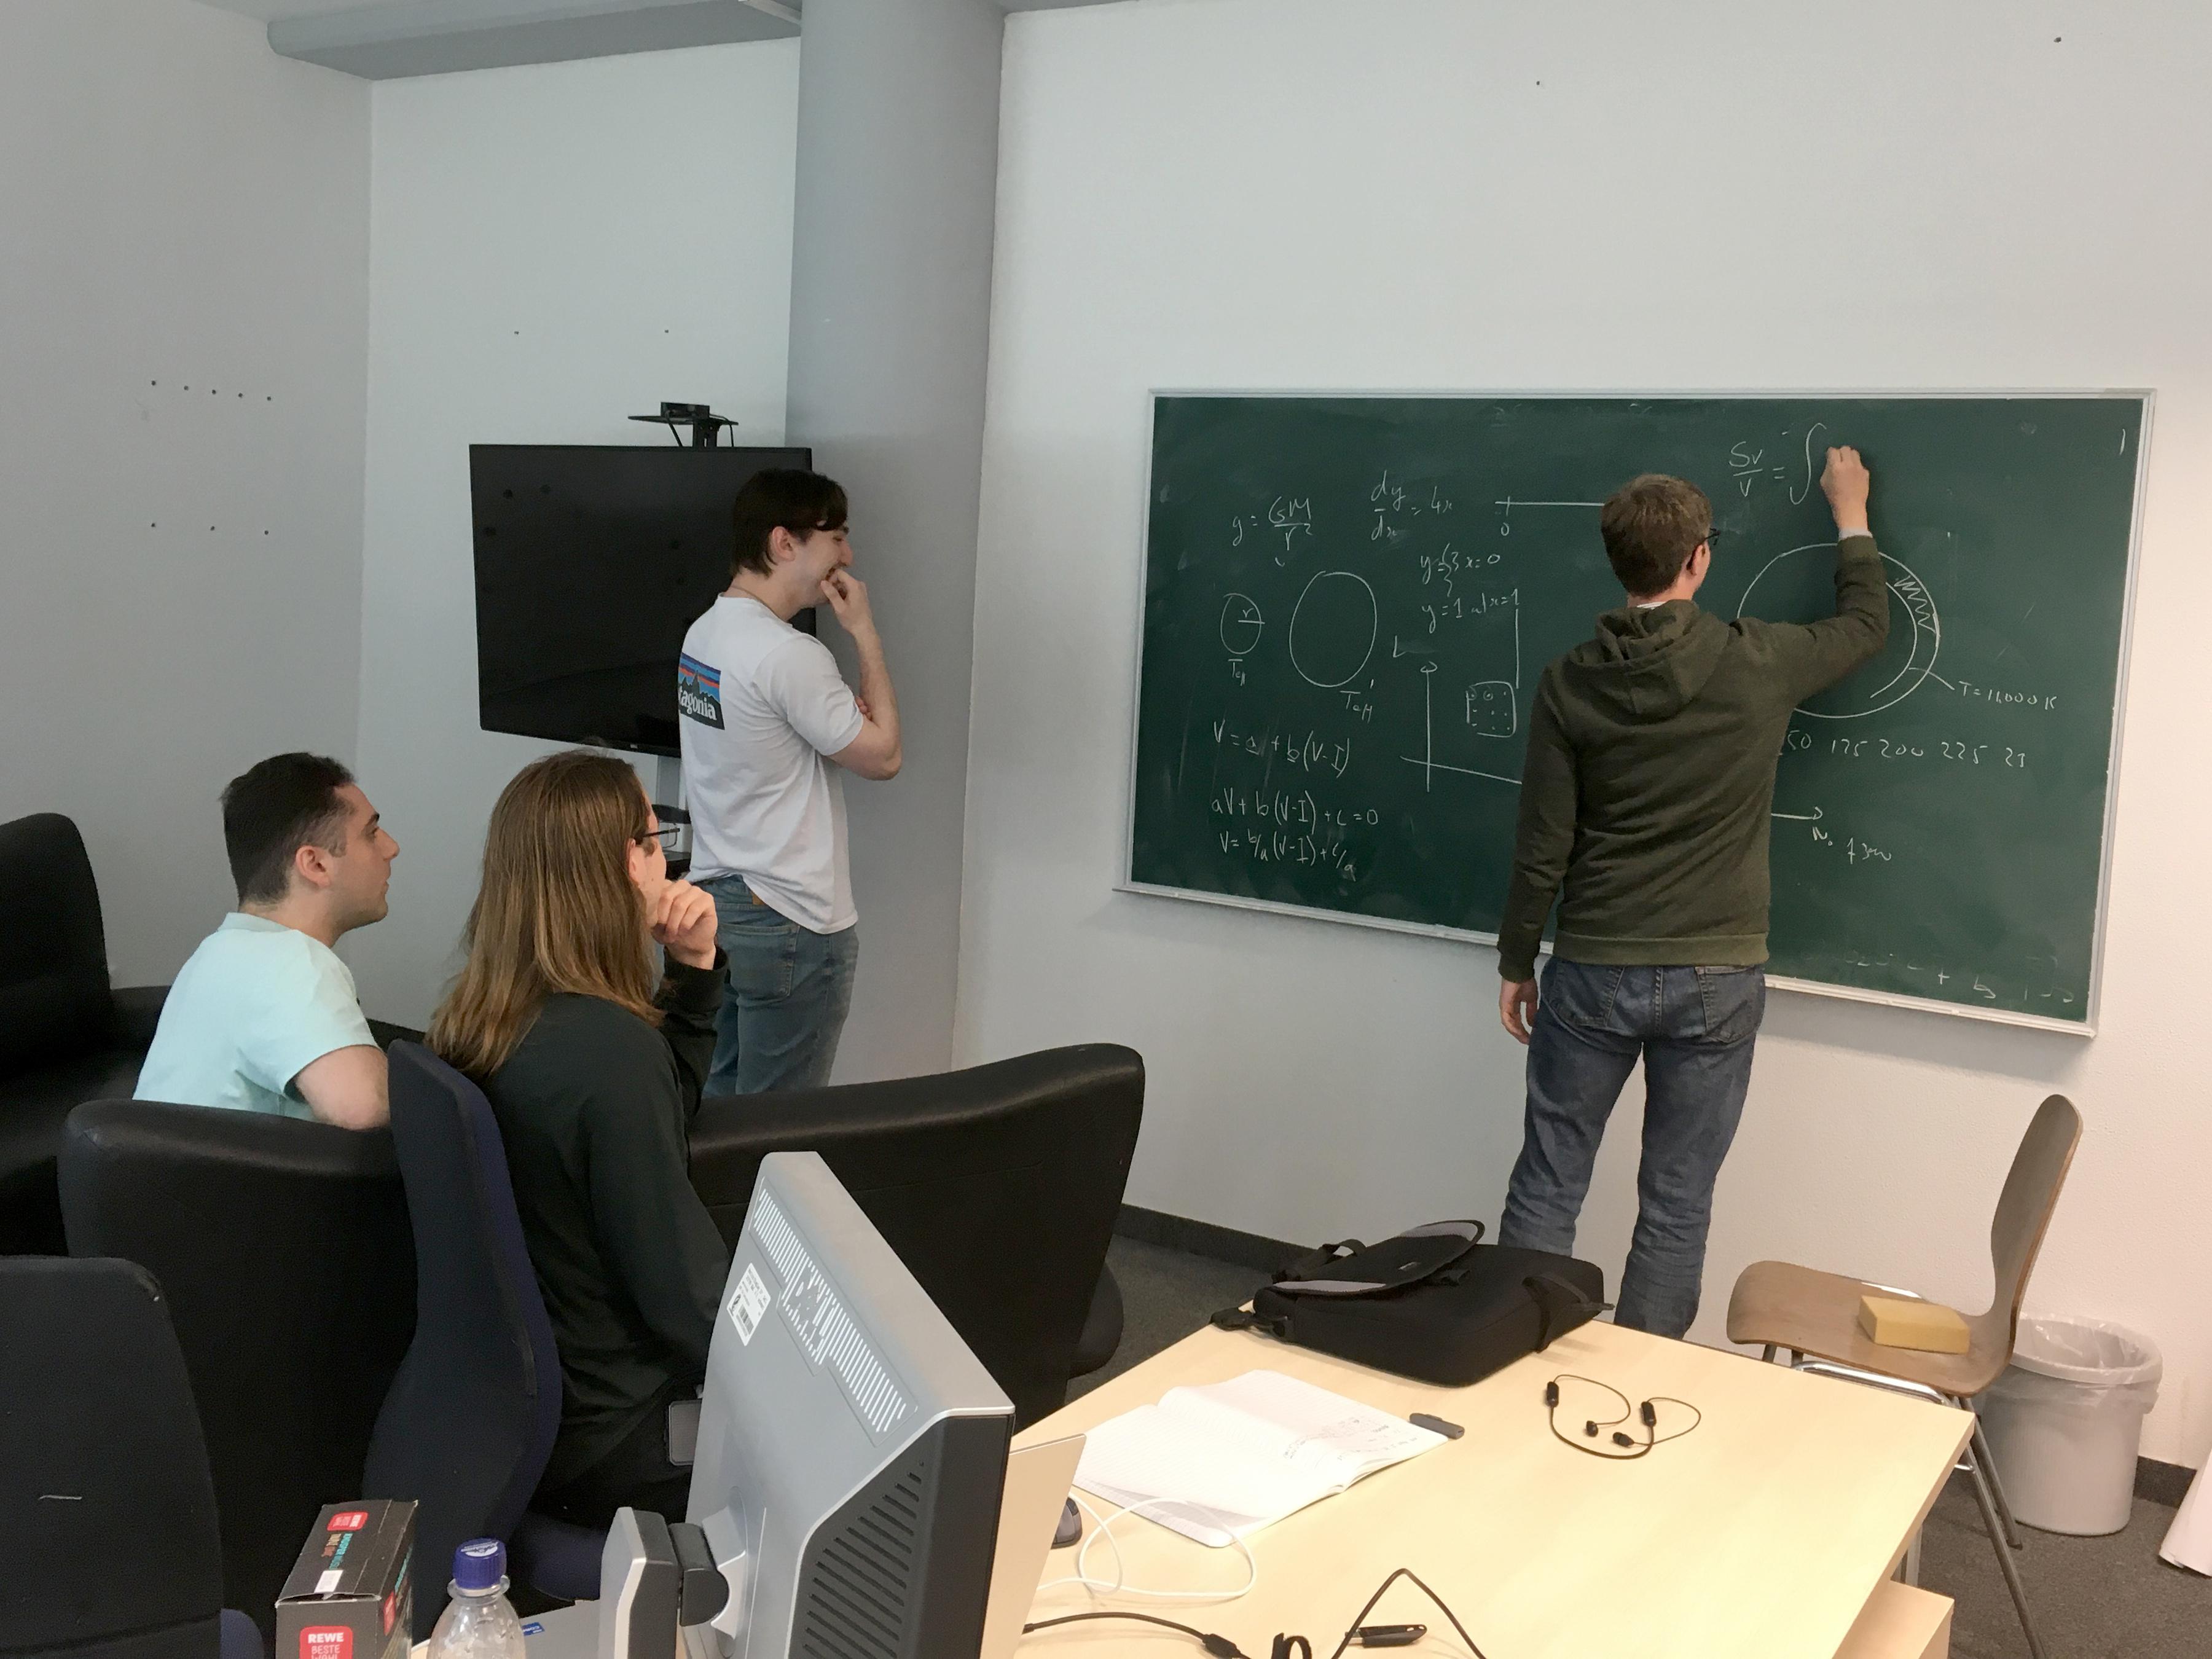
(556, 910)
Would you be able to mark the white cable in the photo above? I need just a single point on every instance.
(1121, 1586)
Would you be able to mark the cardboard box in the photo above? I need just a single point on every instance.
(351, 1594)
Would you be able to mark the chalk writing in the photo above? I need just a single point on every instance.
(1447, 566)
(1493, 709)
(1287, 516)
(2001, 698)
(1507, 503)
(2035, 987)
(1311, 725)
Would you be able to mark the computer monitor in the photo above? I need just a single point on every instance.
(852, 1451)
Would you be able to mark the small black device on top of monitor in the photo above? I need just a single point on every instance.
(591, 560)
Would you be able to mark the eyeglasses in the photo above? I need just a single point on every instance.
(666, 835)
(1713, 535)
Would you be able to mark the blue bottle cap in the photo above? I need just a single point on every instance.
(480, 1563)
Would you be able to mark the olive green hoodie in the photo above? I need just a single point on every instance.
(1649, 776)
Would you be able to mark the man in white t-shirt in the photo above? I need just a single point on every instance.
(263, 1017)
(769, 726)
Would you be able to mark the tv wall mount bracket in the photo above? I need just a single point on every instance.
(706, 425)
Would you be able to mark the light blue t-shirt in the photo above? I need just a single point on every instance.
(255, 1006)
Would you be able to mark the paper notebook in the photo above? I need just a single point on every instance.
(1235, 1456)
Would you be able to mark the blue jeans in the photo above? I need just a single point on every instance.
(790, 990)
(1694, 1029)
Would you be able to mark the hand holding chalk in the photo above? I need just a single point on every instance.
(1845, 482)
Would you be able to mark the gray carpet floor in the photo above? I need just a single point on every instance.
(2093, 1598)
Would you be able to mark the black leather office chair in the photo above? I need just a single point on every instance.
(998, 1186)
(108, 1547)
(282, 1249)
(65, 1035)
(469, 1422)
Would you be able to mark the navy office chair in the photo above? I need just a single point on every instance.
(471, 1419)
(108, 1523)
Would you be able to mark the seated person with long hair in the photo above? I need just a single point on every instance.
(593, 1057)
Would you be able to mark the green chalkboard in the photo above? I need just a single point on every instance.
(1348, 602)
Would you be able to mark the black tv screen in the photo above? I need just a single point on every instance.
(591, 560)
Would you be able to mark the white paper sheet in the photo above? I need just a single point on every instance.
(1221, 1462)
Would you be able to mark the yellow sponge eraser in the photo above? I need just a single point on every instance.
(1928, 1327)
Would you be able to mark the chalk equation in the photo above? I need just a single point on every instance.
(1287, 516)
(1293, 828)
(1310, 752)
(1996, 697)
(1796, 466)
(1393, 504)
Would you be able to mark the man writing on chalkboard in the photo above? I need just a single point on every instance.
(1645, 810)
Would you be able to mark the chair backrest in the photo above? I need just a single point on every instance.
(2024, 1206)
(281, 1249)
(107, 1518)
(998, 1187)
(53, 951)
(471, 1417)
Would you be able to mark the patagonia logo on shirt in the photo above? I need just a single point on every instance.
(699, 691)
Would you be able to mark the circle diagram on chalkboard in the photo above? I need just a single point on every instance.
(1794, 587)
(1333, 629)
(1242, 624)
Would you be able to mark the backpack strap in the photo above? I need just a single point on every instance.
(1244, 1319)
(1314, 1261)
(1551, 1293)
(1309, 1276)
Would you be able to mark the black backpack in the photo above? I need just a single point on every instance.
(1436, 1303)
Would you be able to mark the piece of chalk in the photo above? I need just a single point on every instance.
(1436, 1426)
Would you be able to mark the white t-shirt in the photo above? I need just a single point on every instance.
(762, 707)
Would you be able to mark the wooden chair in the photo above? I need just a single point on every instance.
(1815, 1315)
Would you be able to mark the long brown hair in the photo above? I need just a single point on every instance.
(556, 911)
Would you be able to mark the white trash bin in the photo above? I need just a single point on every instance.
(2065, 1422)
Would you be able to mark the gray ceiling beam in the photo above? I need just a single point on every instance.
(435, 37)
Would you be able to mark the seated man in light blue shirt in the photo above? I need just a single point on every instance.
(264, 1015)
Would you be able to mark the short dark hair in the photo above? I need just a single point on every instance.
(1651, 524)
(270, 812)
(782, 498)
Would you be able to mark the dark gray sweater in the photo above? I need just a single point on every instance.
(595, 1106)
(1650, 778)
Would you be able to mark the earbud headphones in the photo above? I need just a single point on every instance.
(1630, 1448)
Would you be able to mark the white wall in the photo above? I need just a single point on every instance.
(182, 328)
(890, 329)
(554, 248)
(1299, 193)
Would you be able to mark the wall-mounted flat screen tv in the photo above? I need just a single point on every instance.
(591, 560)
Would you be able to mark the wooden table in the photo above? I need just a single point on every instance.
(1769, 1533)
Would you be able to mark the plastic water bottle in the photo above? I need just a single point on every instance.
(479, 1622)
